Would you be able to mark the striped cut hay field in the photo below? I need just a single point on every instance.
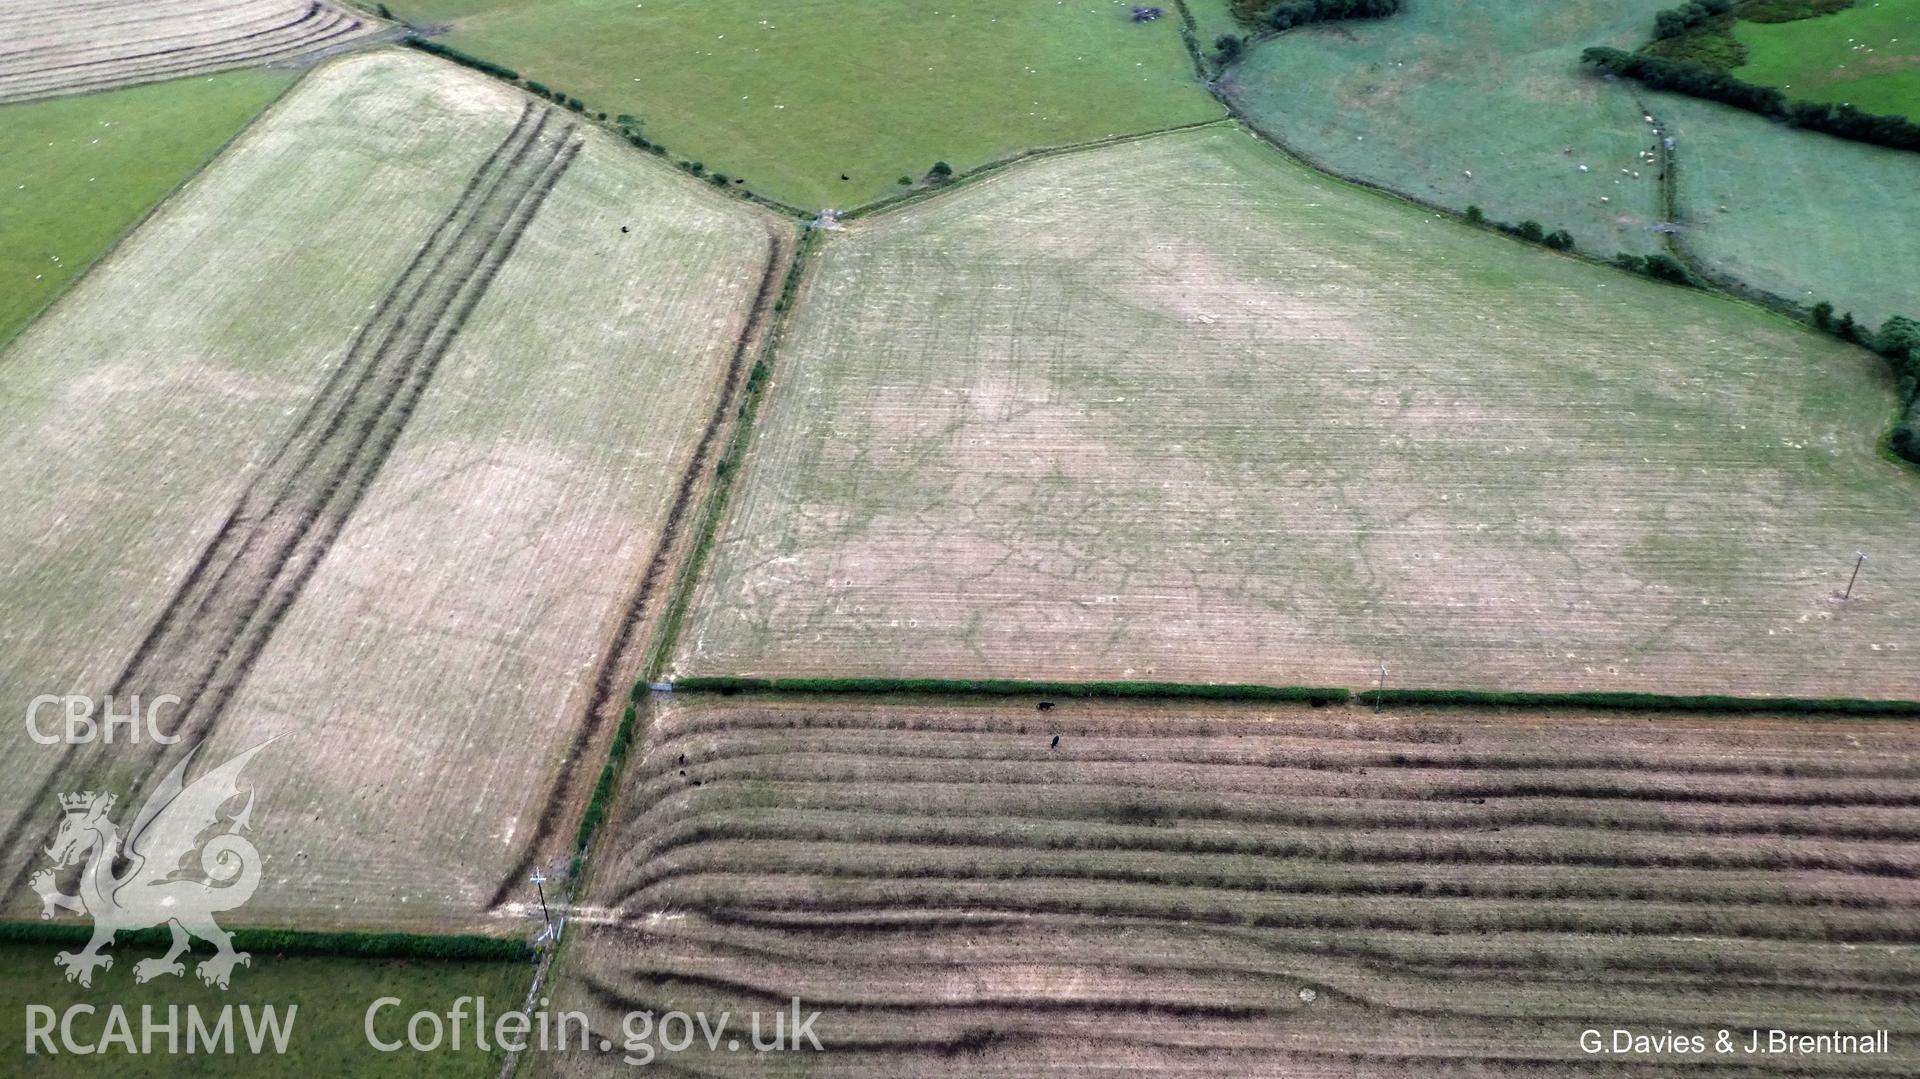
(1252, 890)
(374, 440)
(50, 47)
(1180, 410)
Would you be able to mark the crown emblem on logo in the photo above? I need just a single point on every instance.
(85, 800)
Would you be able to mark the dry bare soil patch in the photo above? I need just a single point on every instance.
(1241, 890)
(371, 441)
(1179, 410)
(52, 47)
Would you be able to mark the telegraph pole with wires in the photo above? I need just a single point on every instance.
(539, 887)
(1862, 560)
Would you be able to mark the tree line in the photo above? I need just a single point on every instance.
(1265, 14)
(1698, 80)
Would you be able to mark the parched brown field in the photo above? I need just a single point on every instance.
(1180, 410)
(52, 47)
(375, 440)
(1255, 890)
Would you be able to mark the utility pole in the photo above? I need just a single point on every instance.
(1379, 699)
(539, 886)
(1856, 574)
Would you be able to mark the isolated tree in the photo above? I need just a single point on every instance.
(1823, 315)
(941, 171)
(1899, 340)
(1531, 230)
(1476, 216)
(1226, 48)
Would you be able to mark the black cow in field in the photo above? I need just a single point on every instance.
(1056, 742)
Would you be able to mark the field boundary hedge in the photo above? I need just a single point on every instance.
(466, 947)
(1699, 80)
(1005, 687)
(1640, 702)
(464, 59)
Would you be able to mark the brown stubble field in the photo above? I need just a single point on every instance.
(1180, 410)
(460, 416)
(50, 47)
(1456, 892)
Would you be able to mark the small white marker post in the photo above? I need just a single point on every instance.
(539, 882)
(1856, 575)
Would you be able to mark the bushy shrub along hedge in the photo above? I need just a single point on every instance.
(1638, 702)
(1676, 21)
(1292, 13)
(466, 59)
(1686, 77)
(1010, 688)
(603, 789)
(290, 942)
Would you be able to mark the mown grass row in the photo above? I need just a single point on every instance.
(1133, 805)
(998, 746)
(876, 764)
(834, 860)
(776, 938)
(1168, 902)
(1024, 834)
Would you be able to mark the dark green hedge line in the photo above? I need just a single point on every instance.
(1699, 80)
(1287, 14)
(603, 790)
(1009, 688)
(291, 942)
(464, 59)
(1640, 702)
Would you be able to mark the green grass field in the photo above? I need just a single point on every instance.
(1867, 55)
(328, 1037)
(1414, 102)
(1807, 216)
(77, 172)
(793, 98)
(1181, 410)
(1417, 101)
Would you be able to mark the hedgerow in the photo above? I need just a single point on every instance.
(469, 947)
(498, 71)
(1637, 702)
(1011, 688)
(1699, 80)
(603, 789)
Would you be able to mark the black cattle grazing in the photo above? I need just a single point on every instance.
(623, 228)
(1056, 742)
(1045, 706)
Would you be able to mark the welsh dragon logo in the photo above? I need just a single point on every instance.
(152, 889)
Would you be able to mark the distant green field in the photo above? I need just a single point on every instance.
(1463, 104)
(793, 98)
(328, 1036)
(1415, 102)
(1212, 18)
(1807, 216)
(1867, 55)
(77, 172)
